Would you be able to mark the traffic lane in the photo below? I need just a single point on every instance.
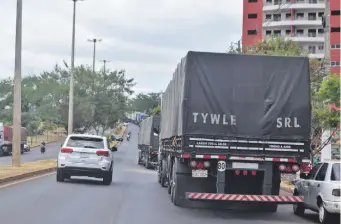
(51, 152)
(134, 197)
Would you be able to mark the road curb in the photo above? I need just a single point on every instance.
(27, 175)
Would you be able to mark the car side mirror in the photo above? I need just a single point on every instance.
(113, 149)
(303, 176)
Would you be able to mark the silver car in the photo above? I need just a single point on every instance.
(85, 155)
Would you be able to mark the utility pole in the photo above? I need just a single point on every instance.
(94, 54)
(326, 26)
(104, 63)
(16, 141)
(70, 117)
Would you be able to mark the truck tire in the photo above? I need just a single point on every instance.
(1, 152)
(163, 174)
(169, 174)
(271, 208)
(175, 193)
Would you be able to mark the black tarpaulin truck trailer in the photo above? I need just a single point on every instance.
(148, 142)
(231, 124)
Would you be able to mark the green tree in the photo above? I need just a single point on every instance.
(320, 119)
(146, 102)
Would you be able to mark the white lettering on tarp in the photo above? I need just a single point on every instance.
(204, 116)
(280, 146)
(215, 118)
(287, 122)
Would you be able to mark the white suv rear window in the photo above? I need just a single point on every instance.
(85, 142)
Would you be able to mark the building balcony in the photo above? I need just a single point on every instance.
(316, 55)
(306, 4)
(301, 21)
(306, 38)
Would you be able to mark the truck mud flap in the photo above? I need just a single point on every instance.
(245, 198)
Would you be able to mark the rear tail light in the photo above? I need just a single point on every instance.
(102, 153)
(154, 153)
(237, 172)
(295, 168)
(282, 167)
(244, 172)
(336, 192)
(193, 164)
(207, 164)
(253, 173)
(66, 150)
(200, 165)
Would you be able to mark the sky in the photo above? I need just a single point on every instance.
(147, 38)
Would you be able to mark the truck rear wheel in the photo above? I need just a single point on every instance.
(175, 194)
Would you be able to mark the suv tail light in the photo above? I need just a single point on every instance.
(102, 153)
(66, 150)
(282, 167)
(336, 192)
(295, 168)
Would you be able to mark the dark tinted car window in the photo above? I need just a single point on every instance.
(335, 175)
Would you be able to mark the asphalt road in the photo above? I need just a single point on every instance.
(133, 197)
(35, 155)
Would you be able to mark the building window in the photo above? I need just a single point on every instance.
(268, 16)
(312, 1)
(335, 29)
(335, 46)
(252, 16)
(300, 32)
(252, 32)
(287, 32)
(312, 49)
(311, 32)
(251, 48)
(252, 1)
(299, 15)
(320, 14)
(277, 32)
(288, 15)
(277, 17)
(268, 1)
(312, 16)
(268, 32)
(335, 13)
(335, 63)
(321, 47)
(320, 32)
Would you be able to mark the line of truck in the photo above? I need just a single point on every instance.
(230, 125)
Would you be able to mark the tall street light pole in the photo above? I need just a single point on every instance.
(104, 63)
(70, 117)
(16, 141)
(95, 40)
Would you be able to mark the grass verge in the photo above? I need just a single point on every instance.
(26, 170)
(287, 186)
(119, 131)
(35, 141)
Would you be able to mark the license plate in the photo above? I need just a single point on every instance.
(236, 165)
(84, 155)
(200, 173)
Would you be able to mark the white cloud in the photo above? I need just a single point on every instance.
(147, 38)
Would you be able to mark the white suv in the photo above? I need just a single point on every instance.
(85, 155)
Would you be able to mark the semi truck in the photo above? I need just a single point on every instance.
(231, 124)
(6, 138)
(148, 142)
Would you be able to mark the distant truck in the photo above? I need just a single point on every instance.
(230, 125)
(6, 138)
(148, 143)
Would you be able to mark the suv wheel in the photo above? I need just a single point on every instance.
(60, 175)
(107, 179)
